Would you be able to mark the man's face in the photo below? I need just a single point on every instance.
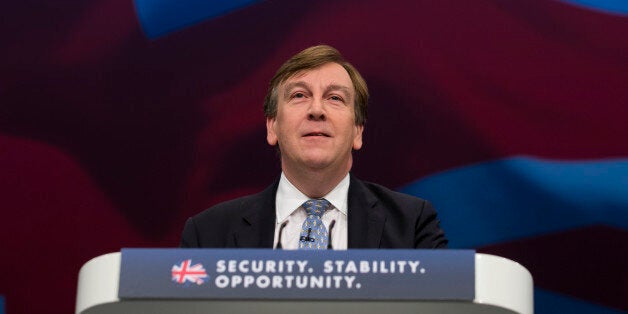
(315, 123)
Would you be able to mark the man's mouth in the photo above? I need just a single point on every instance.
(316, 134)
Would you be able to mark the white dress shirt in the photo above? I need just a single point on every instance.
(288, 208)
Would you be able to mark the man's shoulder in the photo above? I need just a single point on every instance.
(227, 207)
(218, 225)
(239, 205)
(382, 192)
(414, 219)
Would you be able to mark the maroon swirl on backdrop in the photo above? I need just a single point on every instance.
(110, 140)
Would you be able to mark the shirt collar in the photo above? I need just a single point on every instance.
(289, 198)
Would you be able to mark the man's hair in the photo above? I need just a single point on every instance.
(312, 58)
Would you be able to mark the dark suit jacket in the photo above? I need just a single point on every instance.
(377, 218)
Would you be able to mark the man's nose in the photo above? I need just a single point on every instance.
(316, 111)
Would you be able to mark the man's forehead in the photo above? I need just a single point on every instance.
(336, 77)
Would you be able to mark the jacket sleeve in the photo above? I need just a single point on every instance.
(189, 239)
(428, 234)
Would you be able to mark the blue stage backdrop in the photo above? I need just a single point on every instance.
(120, 119)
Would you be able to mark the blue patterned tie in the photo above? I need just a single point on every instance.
(313, 233)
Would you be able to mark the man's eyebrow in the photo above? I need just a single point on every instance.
(334, 87)
(290, 86)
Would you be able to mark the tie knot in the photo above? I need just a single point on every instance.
(316, 207)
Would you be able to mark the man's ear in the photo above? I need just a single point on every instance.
(357, 139)
(271, 136)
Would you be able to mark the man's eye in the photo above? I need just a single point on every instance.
(335, 98)
(298, 95)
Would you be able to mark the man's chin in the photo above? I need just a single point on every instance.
(313, 161)
(317, 164)
(317, 161)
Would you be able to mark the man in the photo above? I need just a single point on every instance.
(315, 113)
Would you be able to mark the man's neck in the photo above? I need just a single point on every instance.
(315, 183)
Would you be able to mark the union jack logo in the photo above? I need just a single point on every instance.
(184, 272)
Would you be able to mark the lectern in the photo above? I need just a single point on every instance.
(275, 281)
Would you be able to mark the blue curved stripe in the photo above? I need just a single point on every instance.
(608, 6)
(161, 17)
(520, 197)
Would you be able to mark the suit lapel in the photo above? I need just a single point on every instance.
(257, 228)
(366, 217)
